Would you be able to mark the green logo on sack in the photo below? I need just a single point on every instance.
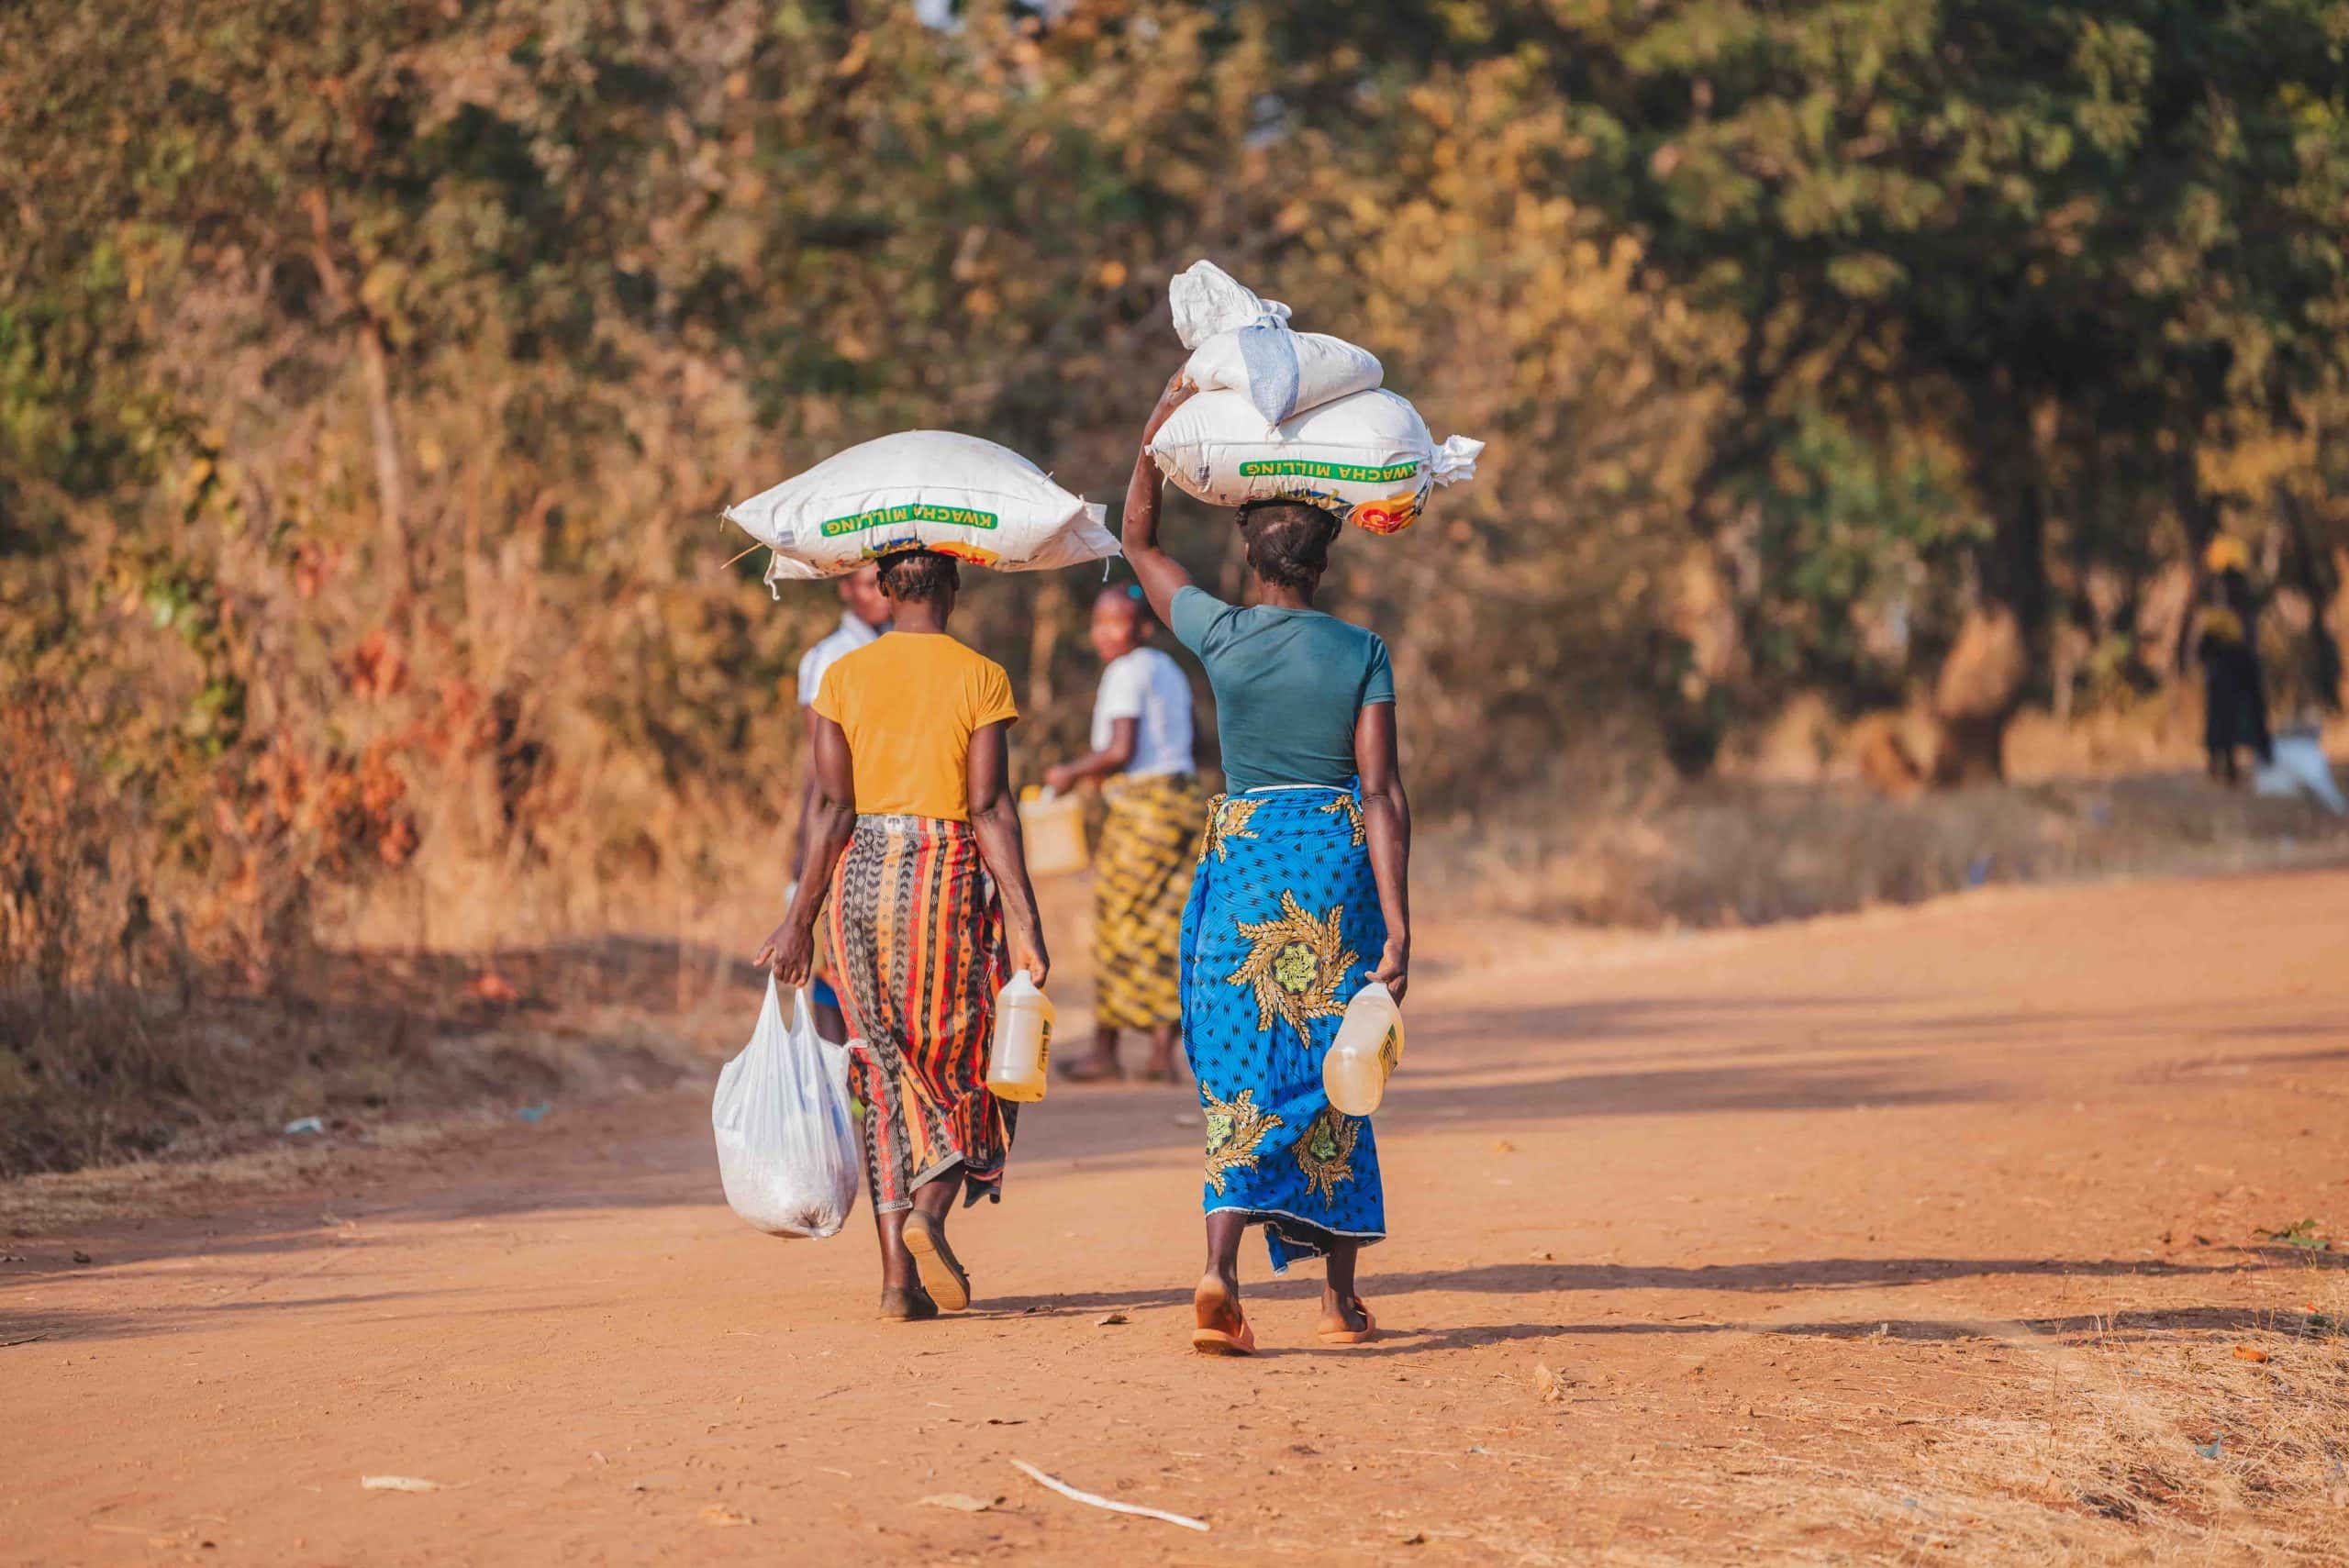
(911, 512)
(1350, 473)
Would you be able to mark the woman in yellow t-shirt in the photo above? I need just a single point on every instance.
(914, 819)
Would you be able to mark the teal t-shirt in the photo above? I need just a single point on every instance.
(1287, 687)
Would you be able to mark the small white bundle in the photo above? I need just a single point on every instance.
(1283, 414)
(1244, 344)
(922, 490)
(1368, 458)
(1206, 300)
(1280, 373)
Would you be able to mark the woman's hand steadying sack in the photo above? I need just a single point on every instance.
(1178, 391)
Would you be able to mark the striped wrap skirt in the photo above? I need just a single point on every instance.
(915, 939)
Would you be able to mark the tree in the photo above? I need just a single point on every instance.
(2041, 231)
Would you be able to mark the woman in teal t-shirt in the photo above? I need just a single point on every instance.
(1299, 901)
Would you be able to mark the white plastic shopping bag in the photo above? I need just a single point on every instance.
(2301, 768)
(922, 490)
(787, 1149)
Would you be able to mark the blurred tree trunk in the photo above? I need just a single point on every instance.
(1051, 613)
(2199, 516)
(1988, 671)
(1981, 685)
(375, 377)
(2315, 571)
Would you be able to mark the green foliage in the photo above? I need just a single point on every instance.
(2300, 1233)
(2031, 228)
(1849, 545)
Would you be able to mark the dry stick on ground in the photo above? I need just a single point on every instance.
(1065, 1490)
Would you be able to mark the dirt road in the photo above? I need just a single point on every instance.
(1926, 1234)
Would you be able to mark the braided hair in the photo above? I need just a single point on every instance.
(911, 576)
(1288, 542)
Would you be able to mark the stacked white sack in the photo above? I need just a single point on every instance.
(1280, 373)
(1283, 414)
(1242, 343)
(922, 490)
(1368, 458)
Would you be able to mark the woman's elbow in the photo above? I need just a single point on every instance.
(994, 807)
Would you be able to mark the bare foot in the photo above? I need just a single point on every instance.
(908, 1303)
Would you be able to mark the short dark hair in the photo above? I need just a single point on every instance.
(911, 576)
(1288, 542)
(1145, 620)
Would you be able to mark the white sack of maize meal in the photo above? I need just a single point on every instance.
(1367, 457)
(922, 490)
(1280, 373)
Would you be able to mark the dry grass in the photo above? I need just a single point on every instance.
(2141, 1441)
(113, 1074)
(64, 1202)
(1733, 853)
(2007, 1442)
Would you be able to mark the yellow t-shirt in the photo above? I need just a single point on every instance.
(908, 704)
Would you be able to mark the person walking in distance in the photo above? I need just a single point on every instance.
(2235, 693)
(1142, 749)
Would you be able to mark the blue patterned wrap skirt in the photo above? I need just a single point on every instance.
(1282, 928)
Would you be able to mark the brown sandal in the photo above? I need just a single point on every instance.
(1340, 1334)
(942, 1274)
(1209, 1303)
(1093, 1070)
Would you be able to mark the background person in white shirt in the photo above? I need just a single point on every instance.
(865, 617)
(1141, 873)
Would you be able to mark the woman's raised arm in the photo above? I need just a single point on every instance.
(1160, 575)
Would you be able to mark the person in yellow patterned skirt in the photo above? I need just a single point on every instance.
(1141, 747)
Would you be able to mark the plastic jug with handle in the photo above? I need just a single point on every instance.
(1053, 826)
(1023, 1041)
(1363, 1057)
